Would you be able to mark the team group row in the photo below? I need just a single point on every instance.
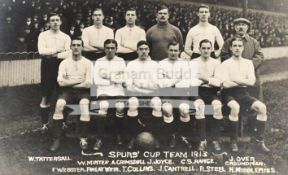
(143, 77)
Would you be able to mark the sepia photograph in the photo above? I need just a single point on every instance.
(143, 87)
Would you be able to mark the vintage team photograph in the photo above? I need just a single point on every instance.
(159, 87)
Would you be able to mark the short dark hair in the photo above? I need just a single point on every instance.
(161, 7)
(205, 41)
(130, 9)
(98, 9)
(203, 6)
(172, 44)
(236, 39)
(53, 14)
(142, 42)
(110, 41)
(77, 38)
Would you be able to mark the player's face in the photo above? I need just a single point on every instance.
(241, 28)
(130, 17)
(173, 52)
(76, 47)
(98, 17)
(162, 16)
(237, 48)
(203, 14)
(110, 50)
(55, 22)
(143, 52)
(205, 50)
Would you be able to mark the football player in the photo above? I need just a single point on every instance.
(74, 78)
(108, 77)
(237, 74)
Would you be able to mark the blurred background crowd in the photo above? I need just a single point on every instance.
(23, 20)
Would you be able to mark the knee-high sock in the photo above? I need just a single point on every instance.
(201, 127)
(44, 114)
(66, 113)
(57, 128)
(119, 125)
(234, 130)
(83, 129)
(101, 123)
(260, 126)
(215, 133)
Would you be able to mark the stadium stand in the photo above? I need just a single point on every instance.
(271, 5)
(27, 18)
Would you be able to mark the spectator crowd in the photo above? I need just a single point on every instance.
(23, 20)
(267, 5)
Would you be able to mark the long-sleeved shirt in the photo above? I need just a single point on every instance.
(75, 70)
(252, 50)
(198, 33)
(158, 38)
(109, 76)
(174, 73)
(240, 68)
(95, 37)
(49, 43)
(129, 37)
(206, 68)
(142, 73)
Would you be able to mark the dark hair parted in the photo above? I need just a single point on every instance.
(110, 41)
(203, 6)
(142, 42)
(236, 39)
(205, 41)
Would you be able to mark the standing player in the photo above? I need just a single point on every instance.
(161, 34)
(53, 47)
(108, 77)
(237, 74)
(252, 51)
(95, 35)
(74, 77)
(203, 30)
(173, 87)
(128, 36)
(203, 71)
(142, 85)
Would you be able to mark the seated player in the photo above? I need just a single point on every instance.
(203, 71)
(173, 91)
(142, 85)
(74, 78)
(237, 74)
(108, 77)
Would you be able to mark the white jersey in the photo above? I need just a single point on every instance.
(242, 68)
(109, 76)
(75, 70)
(142, 73)
(50, 42)
(198, 33)
(206, 68)
(93, 36)
(174, 73)
(129, 37)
